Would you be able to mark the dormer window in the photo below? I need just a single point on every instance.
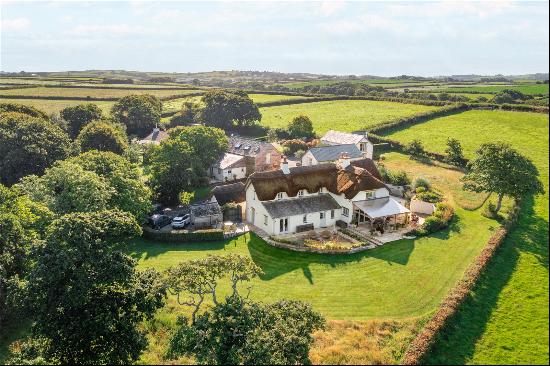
(369, 194)
(280, 195)
(301, 193)
(322, 190)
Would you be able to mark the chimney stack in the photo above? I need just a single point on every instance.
(284, 166)
(344, 160)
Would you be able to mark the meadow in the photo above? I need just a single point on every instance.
(267, 98)
(505, 320)
(342, 115)
(54, 106)
(525, 89)
(90, 92)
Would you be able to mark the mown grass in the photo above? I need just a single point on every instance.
(54, 106)
(505, 319)
(90, 92)
(525, 89)
(342, 115)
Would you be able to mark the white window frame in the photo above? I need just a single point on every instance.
(265, 220)
(332, 214)
(280, 195)
(268, 159)
(345, 211)
(304, 220)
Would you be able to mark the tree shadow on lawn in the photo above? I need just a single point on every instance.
(456, 343)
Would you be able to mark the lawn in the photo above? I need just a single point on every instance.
(54, 106)
(343, 115)
(525, 89)
(90, 92)
(505, 320)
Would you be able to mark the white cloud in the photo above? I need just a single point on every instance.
(118, 30)
(15, 24)
(331, 7)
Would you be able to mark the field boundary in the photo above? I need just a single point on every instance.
(93, 99)
(425, 339)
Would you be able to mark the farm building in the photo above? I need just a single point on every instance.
(330, 154)
(154, 137)
(345, 138)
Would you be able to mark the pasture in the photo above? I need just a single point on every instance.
(505, 320)
(268, 98)
(342, 115)
(525, 89)
(90, 92)
(54, 106)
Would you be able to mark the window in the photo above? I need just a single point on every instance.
(219, 171)
(321, 215)
(265, 220)
(229, 171)
(305, 219)
(322, 190)
(369, 194)
(332, 214)
(362, 147)
(268, 159)
(310, 161)
(301, 193)
(280, 195)
(345, 211)
(283, 225)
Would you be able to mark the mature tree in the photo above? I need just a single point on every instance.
(180, 162)
(139, 113)
(301, 127)
(193, 281)
(189, 113)
(237, 331)
(102, 136)
(79, 116)
(28, 145)
(454, 152)
(90, 182)
(22, 108)
(125, 179)
(225, 109)
(500, 169)
(85, 296)
(21, 223)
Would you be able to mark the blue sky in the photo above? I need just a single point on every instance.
(331, 37)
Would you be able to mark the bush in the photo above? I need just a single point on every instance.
(490, 211)
(420, 189)
(415, 149)
(184, 237)
(292, 146)
(422, 182)
(399, 178)
(429, 196)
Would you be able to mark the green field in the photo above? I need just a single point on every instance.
(54, 106)
(267, 98)
(525, 89)
(505, 320)
(342, 115)
(90, 92)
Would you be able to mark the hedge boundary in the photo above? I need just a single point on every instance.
(425, 340)
(183, 237)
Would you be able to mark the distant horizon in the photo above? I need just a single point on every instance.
(385, 39)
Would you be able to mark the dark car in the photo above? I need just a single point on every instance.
(159, 221)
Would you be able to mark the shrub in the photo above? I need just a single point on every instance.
(420, 189)
(422, 182)
(301, 127)
(455, 155)
(399, 178)
(429, 196)
(415, 149)
(184, 237)
(490, 211)
(292, 146)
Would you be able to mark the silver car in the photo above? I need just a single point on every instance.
(179, 222)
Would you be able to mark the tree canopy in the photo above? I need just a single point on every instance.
(139, 113)
(84, 296)
(225, 109)
(500, 169)
(89, 182)
(102, 136)
(22, 108)
(28, 145)
(181, 162)
(79, 116)
(301, 127)
(454, 152)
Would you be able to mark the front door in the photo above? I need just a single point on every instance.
(322, 219)
(283, 225)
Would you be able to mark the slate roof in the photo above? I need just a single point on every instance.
(300, 206)
(247, 147)
(154, 137)
(360, 175)
(233, 192)
(337, 137)
(232, 161)
(332, 153)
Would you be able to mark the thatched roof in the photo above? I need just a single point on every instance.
(350, 181)
(234, 192)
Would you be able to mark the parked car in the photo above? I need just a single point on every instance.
(159, 221)
(179, 222)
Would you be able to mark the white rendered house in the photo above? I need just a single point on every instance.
(303, 198)
(343, 138)
(330, 154)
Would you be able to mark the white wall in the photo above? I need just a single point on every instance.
(308, 156)
(227, 175)
(422, 207)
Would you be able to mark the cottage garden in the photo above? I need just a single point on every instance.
(389, 290)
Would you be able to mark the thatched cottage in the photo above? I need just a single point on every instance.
(297, 199)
